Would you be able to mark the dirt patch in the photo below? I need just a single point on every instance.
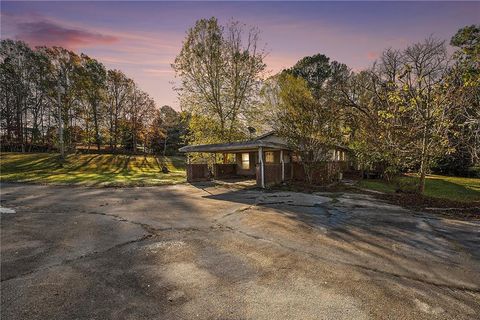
(448, 208)
(305, 188)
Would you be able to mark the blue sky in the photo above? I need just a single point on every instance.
(142, 38)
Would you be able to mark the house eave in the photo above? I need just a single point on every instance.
(234, 146)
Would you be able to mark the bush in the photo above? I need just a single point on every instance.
(473, 172)
(406, 184)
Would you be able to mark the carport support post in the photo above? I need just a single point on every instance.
(283, 165)
(262, 169)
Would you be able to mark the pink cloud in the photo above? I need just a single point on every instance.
(372, 55)
(47, 33)
(158, 71)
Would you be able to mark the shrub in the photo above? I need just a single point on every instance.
(473, 171)
(406, 185)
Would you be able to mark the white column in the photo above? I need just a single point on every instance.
(283, 165)
(262, 169)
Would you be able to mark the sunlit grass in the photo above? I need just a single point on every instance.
(436, 186)
(91, 169)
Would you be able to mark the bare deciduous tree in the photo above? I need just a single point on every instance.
(219, 69)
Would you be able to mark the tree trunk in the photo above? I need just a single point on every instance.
(87, 134)
(25, 124)
(111, 129)
(60, 127)
(165, 146)
(423, 162)
(95, 123)
(115, 135)
(308, 173)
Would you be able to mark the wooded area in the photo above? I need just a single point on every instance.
(413, 110)
(55, 99)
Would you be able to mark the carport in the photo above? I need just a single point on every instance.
(266, 159)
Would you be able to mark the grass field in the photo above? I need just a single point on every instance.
(91, 169)
(436, 186)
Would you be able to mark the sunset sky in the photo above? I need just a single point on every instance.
(143, 38)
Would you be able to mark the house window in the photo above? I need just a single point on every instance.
(269, 157)
(245, 161)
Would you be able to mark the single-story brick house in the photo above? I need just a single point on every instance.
(267, 158)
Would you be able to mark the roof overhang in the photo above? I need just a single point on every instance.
(234, 146)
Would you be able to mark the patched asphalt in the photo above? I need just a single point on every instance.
(212, 252)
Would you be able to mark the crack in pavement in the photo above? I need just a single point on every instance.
(385, 273)
(83, 256)
(150, 229)
(153, 232)
(239, 210)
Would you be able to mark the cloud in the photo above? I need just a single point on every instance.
(47, 33)
(159, 71)
(372, 55)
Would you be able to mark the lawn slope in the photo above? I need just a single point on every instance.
(91, 169)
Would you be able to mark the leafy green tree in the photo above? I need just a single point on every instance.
(323, 78)
(403, 101)
(423, 93)
(373, 136)
(464, 84)
(166, 130)
(310, 127)
(172, 128)
(315, 70)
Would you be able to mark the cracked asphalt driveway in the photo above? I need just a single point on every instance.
(206, 252)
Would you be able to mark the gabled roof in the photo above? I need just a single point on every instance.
(265, 135)
(264, 140)
(237, 146)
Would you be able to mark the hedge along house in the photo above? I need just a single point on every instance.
(267, 159)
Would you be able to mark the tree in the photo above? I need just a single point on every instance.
(425, 67)
(63, 88)
(315, 70)
(137, 118)
(17, 69)
(39, 95)
(404, 101)
(156, 133)
(463, 84)
(171, 124)
(309, 126)
(93, 86)
(220, 68)
(373, 137)
(323, 78)
(54, 96)
(119, 88)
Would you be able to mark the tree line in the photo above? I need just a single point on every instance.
(53, 98)
(415, 109)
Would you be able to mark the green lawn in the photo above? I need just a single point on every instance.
(91, 169)
(436, 186)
